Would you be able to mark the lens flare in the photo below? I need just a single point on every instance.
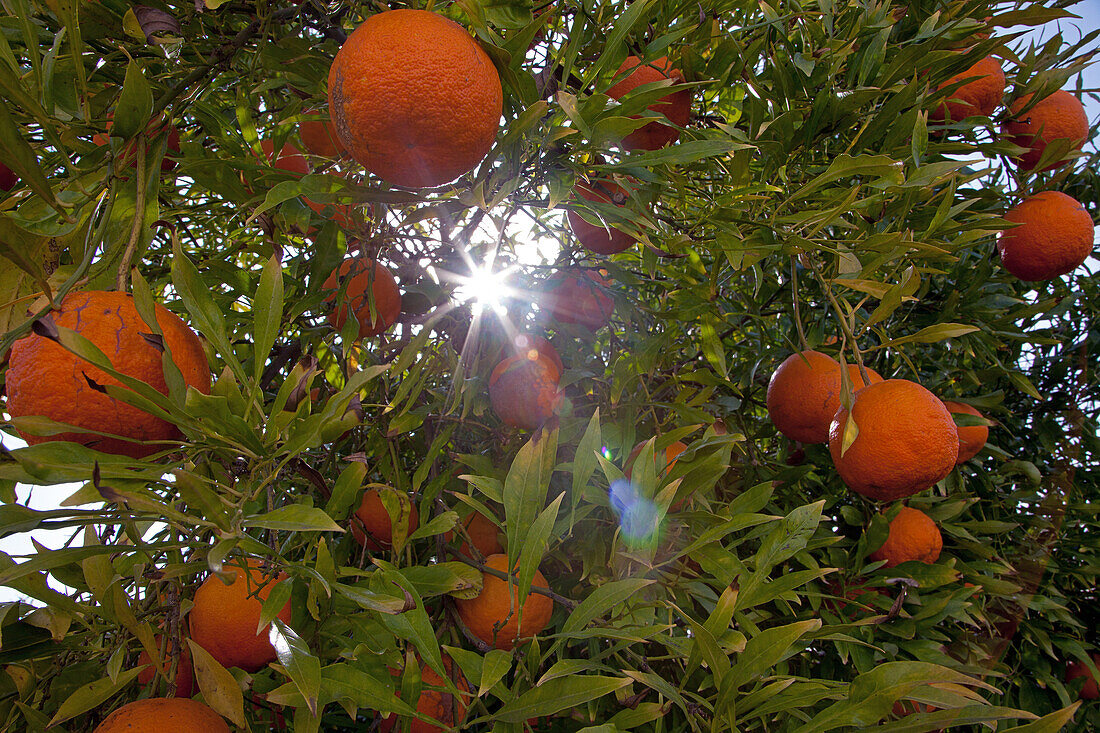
(638, 516)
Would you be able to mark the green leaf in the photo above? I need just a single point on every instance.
(496, 664)
(524, 494)
(931, 334)
(219, 688)
(267, 309)
(21, 158)
(767, 648)
(303, 667)
(135, 104)
(605, 598)
(294, 518)
(346, 490)
(91, 695)
(559, 694)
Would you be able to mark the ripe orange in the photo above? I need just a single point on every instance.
(45, 379)
(523, 391)
(1053, 239)
(676, 106)
(163, 715)
(363, 275)
(913, 536)
(414, 98)
(1061, 116)
(578, 296)
(907, 441)
(971, 437)
(671, 452)
(289, 158)
(8, 178)
(377, 521)
(185, 673)
(1090, 690)
(525, 343)
(484, 535)
(980, 96)
(224, 617)
(804, 394)
(494, 616)
(318, 136)
(601, 240)
(438, 704)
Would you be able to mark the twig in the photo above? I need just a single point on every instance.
(139, 216)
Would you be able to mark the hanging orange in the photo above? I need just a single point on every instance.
(437, 704)
(523, 391)
(1053, 239)
(913, 536)
(675, 106)
(414, 98)
(907, 441)
(224, 618)
(372, 513)
(574, 295)
(804, 394)
(363, 276)
(494, 616)
(972, 438)
(600, 239)
(163, 715)
(1060, 116)
(318, 136)
(45, 379)
(979, 96)
(185, 672)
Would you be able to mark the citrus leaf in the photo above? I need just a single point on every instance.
(219, 688)
(559, 694)
(302, 666)
(294, 518)
(91, 695)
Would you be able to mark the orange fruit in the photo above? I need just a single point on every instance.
(1060, 116)
(224, 617)
(523, 391)
(318, 136)
(971, 437)
(1053, 239)
(495, 616)
(414, 98)
(362, 275)
(913, 536)
(372, 512)
(804, 394)
(525, 343)
(1090, 690)
(163, 715)
(437, 704)
(8, 178)
(45, 379)
(671, 452)
(574, 295)
(675, 106)
(979, 96)
(483, 533)
(907, 441)
(289, 158)
(185, 673)
(601, 240)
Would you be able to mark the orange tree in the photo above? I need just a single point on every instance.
(832, 186)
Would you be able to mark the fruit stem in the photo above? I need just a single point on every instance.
(849, 337)
(802, 345)
(139, 216)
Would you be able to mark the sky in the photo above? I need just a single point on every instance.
(49, 497)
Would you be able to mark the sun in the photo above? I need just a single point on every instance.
(485, 288)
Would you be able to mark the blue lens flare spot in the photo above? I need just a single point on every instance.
(638, 515)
